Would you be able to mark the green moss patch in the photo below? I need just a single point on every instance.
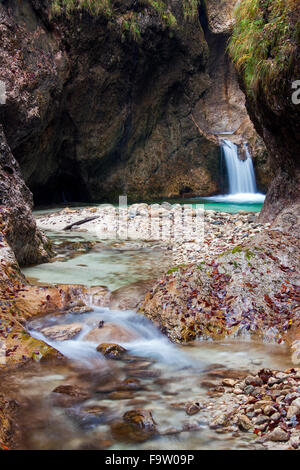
(264, 41)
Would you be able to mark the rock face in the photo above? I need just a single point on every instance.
(17, 223)
(271, 105)
(144, 127)
(222, 106)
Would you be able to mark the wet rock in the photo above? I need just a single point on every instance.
(170, 431)
(108, 388)
(275, 417)
(95, 409)
(110, 332)
(122, 395)
(228, 382)
(71, 390)
(224, 373)
(295, 442)
(292, 411)
(255, 381)
(129, 297)
(146, 374)
(269, 410)
(62, 332)
(221, 420)
(244, 423)
(207, 384)
(278, 435)
(141, 418)
(261, 420)
(137, 426)
(111, 350)
(296, 404)
(67, 395)
(193, 408)
(83, 420)
(130, 384)
(248, 389)
(138, 365)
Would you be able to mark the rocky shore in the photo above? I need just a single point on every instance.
(192, 233)
(265, 406)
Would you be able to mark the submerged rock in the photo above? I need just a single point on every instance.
(193, 408)
(137, 426)
(111, 350)
(71, 390)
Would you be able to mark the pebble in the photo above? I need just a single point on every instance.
(244, 422)
(278, 435)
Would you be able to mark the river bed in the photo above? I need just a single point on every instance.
(165, 377)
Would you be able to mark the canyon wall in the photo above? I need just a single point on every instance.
(94, 111)
(17, 224)
(269, 78)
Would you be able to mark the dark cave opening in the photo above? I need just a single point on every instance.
(60, 189)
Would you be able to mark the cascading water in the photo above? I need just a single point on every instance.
(240, 172)
(241, 176)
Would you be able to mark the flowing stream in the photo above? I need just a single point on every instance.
(165, 376)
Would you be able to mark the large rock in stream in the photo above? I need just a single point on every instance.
(110, 332)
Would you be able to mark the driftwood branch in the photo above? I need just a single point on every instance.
(80, 222)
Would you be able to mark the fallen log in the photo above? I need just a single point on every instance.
(80, 222)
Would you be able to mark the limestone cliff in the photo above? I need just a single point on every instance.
(98, 106)
(17, 224)
(265, 48)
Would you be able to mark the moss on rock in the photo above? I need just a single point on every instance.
(264, 41)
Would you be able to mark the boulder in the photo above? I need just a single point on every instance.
(129, 297)
(111, 350)
(62, 332)
(110, 332)
(137, 426)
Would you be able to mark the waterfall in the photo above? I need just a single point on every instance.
(241, 175)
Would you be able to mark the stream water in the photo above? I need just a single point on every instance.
(163, 377)
(166, 377)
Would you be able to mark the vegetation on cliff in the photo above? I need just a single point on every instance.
(126, 17)
(264, 42)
